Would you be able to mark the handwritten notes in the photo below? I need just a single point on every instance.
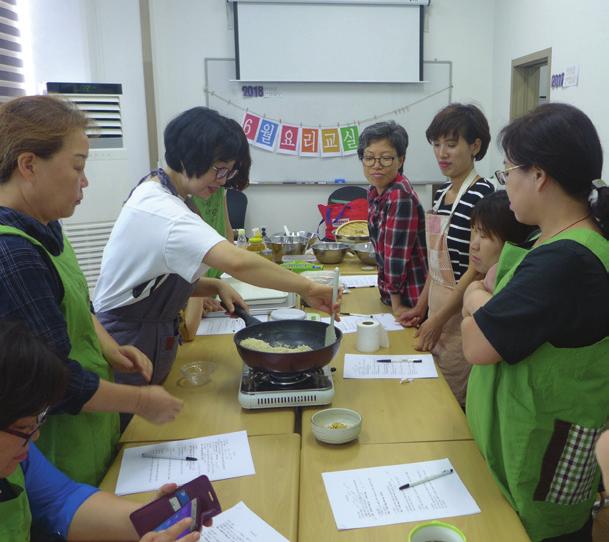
(371, 497)
(359, 281)
(240, 524)
(224, 325)
(399, 366)
(348, 324)
(218, 456)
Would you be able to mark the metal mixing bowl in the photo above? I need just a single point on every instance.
(330, 252)
(283, 245)
(309, 236)
(365, 253)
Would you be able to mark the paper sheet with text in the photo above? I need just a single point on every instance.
(224, 325)
(371, 497)
(240, 524)
(348, 324)
(359, 281)
(218, 456)
(400, 366)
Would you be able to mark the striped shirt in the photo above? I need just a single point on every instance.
(459, 231)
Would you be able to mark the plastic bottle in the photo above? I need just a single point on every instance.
(241, 239)
(256, 243)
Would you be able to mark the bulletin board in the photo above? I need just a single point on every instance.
(413, 105)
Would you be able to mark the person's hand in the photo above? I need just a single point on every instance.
(229, 297)
(428, 334)
(209, 304)
(475, 296)
(171, 534)
(156, 405)
(490, 279)
(412, 317)
(129, 359)
(319, 296)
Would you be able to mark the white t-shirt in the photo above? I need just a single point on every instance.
(155, 235)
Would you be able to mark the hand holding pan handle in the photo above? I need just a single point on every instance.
(244, 315)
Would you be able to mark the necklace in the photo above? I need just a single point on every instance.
(542, 238)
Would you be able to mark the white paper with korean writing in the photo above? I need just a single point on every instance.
(218, 456)
(400, 366)
(240, 524)
(348, 324)
(371, 497)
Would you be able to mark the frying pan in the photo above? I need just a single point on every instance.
(285, 332)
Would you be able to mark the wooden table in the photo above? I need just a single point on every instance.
(214, 407)
(351, 265)
(422, 410)
(497, 522)
(272, 492)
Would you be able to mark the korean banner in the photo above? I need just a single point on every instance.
(330, 142)
(250, 126)
(288, 139)
(309, 142)
(267, 135)
(349, 136)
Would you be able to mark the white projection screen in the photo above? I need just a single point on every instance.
(328, 42)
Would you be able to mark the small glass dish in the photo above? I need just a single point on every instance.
(196, 373)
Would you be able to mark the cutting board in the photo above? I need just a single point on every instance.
(254, 295)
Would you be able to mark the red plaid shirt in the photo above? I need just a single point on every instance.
(396, 222)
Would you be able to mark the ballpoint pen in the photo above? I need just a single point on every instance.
(429, 478)
(154, 456)
(388, 360)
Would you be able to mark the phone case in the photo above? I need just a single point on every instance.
(147, 518)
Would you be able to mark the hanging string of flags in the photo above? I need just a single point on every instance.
(274, 135)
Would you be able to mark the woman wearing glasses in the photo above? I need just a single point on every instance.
(159, 247)
(459, 135)
(395, 217)
(36, 499)
(537, 397)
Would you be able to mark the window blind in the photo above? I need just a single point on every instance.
(11, 63)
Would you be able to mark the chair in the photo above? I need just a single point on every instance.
(345, 194)
(236, 202)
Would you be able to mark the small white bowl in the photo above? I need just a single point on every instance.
(197, 373)
(327, 425)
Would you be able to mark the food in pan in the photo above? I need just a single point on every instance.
(262, 346)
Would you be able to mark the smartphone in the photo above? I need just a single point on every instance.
(155, 513)
(189, 510)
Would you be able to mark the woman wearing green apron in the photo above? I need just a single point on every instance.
(43, 149)
(537, 397)
(36, 499)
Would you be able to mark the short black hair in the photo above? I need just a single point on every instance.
(243, 162)
(492, 215)
(390, 130)
(32, 377)
(464, 120)
(200, 136)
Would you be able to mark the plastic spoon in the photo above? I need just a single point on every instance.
(330, 331)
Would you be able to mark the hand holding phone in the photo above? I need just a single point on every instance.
(195, 500)
(172, 534)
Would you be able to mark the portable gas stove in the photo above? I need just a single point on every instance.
(263, 389)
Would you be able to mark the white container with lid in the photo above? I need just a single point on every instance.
(287, 314)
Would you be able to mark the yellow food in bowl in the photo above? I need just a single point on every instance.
(337, 425)
(353, 228)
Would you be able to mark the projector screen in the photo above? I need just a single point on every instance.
(333, 42)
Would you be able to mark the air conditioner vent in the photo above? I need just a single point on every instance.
(101, 103)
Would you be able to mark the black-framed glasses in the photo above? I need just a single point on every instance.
(40, 419)
(225, 173)
(385, 161)
(502, 174)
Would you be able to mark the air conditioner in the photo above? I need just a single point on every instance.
(109, 184)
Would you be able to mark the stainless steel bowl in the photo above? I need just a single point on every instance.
(365, 253)
(283, 245)
(352, 239)
(330, 252)
(311, 237)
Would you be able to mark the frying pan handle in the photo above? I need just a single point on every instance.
(245, 316)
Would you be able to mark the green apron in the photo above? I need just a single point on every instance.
(81, 446)
(212, 211)
(536, 422)
(15, 515)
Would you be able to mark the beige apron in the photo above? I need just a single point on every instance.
(448, 351)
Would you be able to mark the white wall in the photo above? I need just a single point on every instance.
(185, 32)
(577, 34)
(97, 41)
